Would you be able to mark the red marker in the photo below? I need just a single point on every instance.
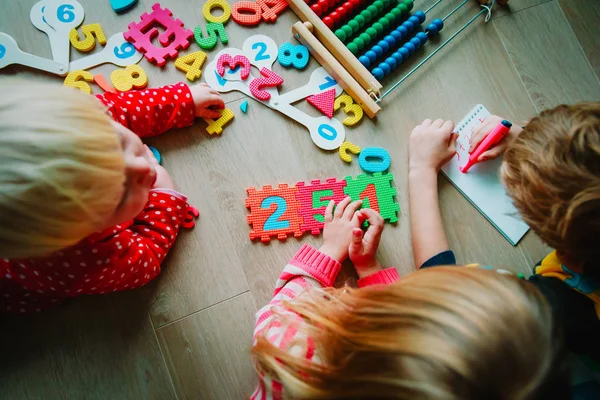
(490, 140)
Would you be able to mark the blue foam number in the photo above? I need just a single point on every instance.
(44, 19)
(374, 152)
(125, 51)
(327, 131)
(272, 222)
(65, 13)
(2, 51)
(233, 71)
(329, 82)
(289, 54)
(222, 81)
(260, 56)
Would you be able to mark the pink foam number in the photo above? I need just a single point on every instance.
(232, 63)
(270, 79)
(173, 39)
(323, 102)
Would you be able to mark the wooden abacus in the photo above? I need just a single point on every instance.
(360, 43)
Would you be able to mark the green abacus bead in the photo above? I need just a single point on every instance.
(384, 22)
(396, 12)
(340, 35)
(378, 4)
(371, 32)
(359, 42)
(409, 4)
(390, 17)
(354, 25)
(353, 48)
(386, 3)
(372, 9)
(403, 8)
(361, 20)
(366, 14)
(378, 27)
(365, 38)
(348, 31)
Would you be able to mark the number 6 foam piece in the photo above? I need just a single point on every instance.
(117, 51)
(10, 53)
(62, 16)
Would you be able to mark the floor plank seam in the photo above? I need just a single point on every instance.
(523, 9)
(164, 359)
(202, 309)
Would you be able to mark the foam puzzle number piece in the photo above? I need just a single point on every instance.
(323, 102)
(232, 63)
(271, 9)
(173, 39)
(277, 216)
(269, 79)
(91, 32)
(133, 76)
(348, 147)
(383, 195)
(214, 30)
(189, 221)
(212, 4)
(191, 64)
(247, 13)
(374, 152)
(313, 199)
(216, 126)
(74, 79)
(349, 107)
(289, 54)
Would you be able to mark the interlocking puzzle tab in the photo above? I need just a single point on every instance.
(294, 210)
(173, 39)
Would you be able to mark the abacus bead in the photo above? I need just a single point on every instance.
(396, 12)
(410, 47)
(398, 57)
(365, 37)
(355, 4)
(371, 55)
(390, 17)
(391, 62)
(402, 30)
(361, 43)
(372, 9)
(360, 19)
(396, 35)
(431, 29)
(342, 11)
(404, 51)
(378, 27)
(354, 25)
(353, 48)
(408, 25)
(409, 4)
(377, 73)
(439, 23)
(386, 3)
(422, 36)
(331, 3)
(384, 45)
(324, 6)
(336, 17)
(364, 60)
(366, 15)
(385, 68)
(316, 9)
(340, 35)
(391, 41)
(329, 22)
(371, 32)
(384, 22)
(377, 50)
(416, 42)
(420, 15)
(414, 20)
(378, 4)
(403, 8)
(348, 31)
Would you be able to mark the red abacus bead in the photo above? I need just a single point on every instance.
(329, 22)
(348, 6)
(324, 6)
(331, 3)
(336, 17)
(316, 9)
(342, 12)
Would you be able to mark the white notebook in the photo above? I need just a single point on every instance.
(481, 184)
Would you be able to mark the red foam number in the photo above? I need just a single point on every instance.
(270, 79)
(246, 13)
(271, 9)
(233, 62)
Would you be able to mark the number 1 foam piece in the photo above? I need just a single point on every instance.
(173, 39)
(284, 211)
(323, 102)
(122, 5)
(216, 126)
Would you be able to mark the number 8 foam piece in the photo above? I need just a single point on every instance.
(285, 211)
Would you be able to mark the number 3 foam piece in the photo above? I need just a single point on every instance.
(323, 102)
(232, 63)
(273, 212)
(173, 39)
(122, 5)
(313, 200)
(117, 51)
(374, 152)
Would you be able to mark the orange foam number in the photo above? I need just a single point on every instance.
(216, 126)
(133, 76)
(191, 64)
(270, 79)
(74, 79)
(246, 13)
(103, 83)
(89, 42)
(271, 9)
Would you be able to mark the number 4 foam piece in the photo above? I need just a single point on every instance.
(122, 5)
(313, 200)
(273, 212)
(323, 102)
(375, 190)
(173, 39)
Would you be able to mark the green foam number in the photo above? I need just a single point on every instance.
(317, 201)
(214, 30)
(384, 194)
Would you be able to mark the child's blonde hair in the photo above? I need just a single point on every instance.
(552, 173)
(62, 169)
(441, 333)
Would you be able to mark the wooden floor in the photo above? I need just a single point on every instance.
(187, 334)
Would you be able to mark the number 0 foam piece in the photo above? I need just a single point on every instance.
(173, 39)
(383, 190)
(374, 152)
(348, 147)
(314, 198)
(122, 5)
(288, 221)
(323, 102)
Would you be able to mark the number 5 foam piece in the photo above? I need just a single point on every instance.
(313, 200)
(375, 188)
(273, 212)
(122, 5)
(173, 39)
(323, 102)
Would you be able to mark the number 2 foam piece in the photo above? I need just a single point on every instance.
(323, 102)
(173, 39)
(273, 212)
(122, 5)
(314, 198)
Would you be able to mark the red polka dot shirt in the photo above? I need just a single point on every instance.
(125, 256)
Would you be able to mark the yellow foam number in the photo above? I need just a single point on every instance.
(222, 4)
(191, 64)
(133, 76)
(345, 147)
(88, 43)
(216, 126)
(74, 79)
(349, 107)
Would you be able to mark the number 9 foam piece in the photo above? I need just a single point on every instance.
(374, 152)
(273, 212)
(289, 54)
(348, 147)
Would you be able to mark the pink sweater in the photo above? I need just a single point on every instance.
(308, 269)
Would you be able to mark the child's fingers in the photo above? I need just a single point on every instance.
(212, 114)
(351, 209)
(437, 123)
(492, 153)
(329, 211)
(356, 244)
(478, 135)
(426, 122)
(373, 234)
(452, 142)
(215, 101)
(448, 126)
(339, 210)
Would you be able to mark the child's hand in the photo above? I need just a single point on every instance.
(163, 180)
(431, 145)
(486, 127)
(363, 248)
(207, 101)
(337, 233)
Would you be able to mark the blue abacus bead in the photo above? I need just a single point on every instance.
(396, 35)
(398, 57)
(404, 51)
(391, 61)
(439, 23)
(385, 67)
(422, 36)
(415, 20)
(364, 60)
(377, 73)
(432, 29)
(371, 55)
(410, 47)
(384, 45)
(403, 30)
(420, 15)
(409, 26)
(416, 42)
(390, 40)
(377, 50)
